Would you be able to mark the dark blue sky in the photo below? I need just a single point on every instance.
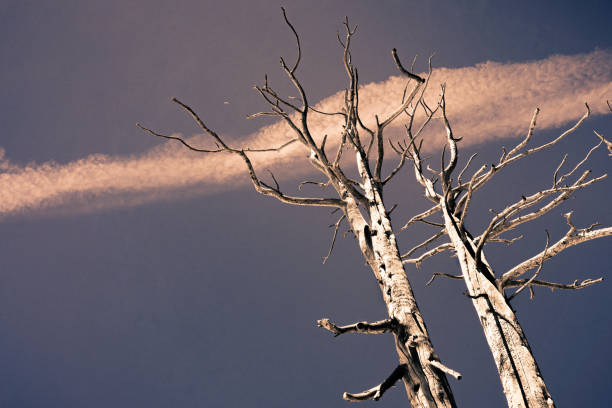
(211, 301)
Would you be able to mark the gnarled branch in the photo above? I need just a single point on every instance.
(376, 392)
(379, 327)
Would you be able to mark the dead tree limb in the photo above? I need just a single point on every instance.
(377, 392)
(379, 327)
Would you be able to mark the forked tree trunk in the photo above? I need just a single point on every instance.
(518, 371)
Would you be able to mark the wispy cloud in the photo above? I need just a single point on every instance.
(485, 102)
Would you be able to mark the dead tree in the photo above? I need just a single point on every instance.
(361, 205)
(521, 379)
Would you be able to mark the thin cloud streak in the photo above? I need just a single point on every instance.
(485, 102)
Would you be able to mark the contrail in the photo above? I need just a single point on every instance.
(485, 102)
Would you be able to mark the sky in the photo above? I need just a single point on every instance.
(136, 273)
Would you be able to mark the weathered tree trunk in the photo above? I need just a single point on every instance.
(426, 385)
(520, 376)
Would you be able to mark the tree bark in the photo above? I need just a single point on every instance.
(426, 385)
(520, 376)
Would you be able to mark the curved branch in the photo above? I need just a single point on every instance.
(446, 275)
(297, 39)
(376, 392)
(190, 147)
(401, 68)
(336, 227)
(421, 216)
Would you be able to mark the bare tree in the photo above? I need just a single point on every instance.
(519, 373)
(359, 201)
(361, 205)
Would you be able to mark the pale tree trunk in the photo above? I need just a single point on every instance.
(425, 382)
(520, 376)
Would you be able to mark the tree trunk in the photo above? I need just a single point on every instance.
(518, 371)
(425, 384)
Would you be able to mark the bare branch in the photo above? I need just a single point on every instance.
(274, 179)
(429, 115)
(580, 163)
(378, 391)
(607, 142)
(433, 224)
(452, 144)
(195, 149)
(429, 254)
(331, 247)
(316, 183)
(327, 113)
(201, 123)
(260, 186)
(381, 126)
(446, 275)
(445, 369)
(428, 184)
(275, 192)
(465, 201)
(379, 327)
(500, 222)
(572, 237)
(402, 69)
(190, 147)
(535, 275)
(398, 167)
(297, 39)
(259, 114)
(524, 142)
(514, 154)
(465, 167)
(506, 241)
(564, 194)
(276, 99)
(555, 182)
(552, 285)
(424, 243)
